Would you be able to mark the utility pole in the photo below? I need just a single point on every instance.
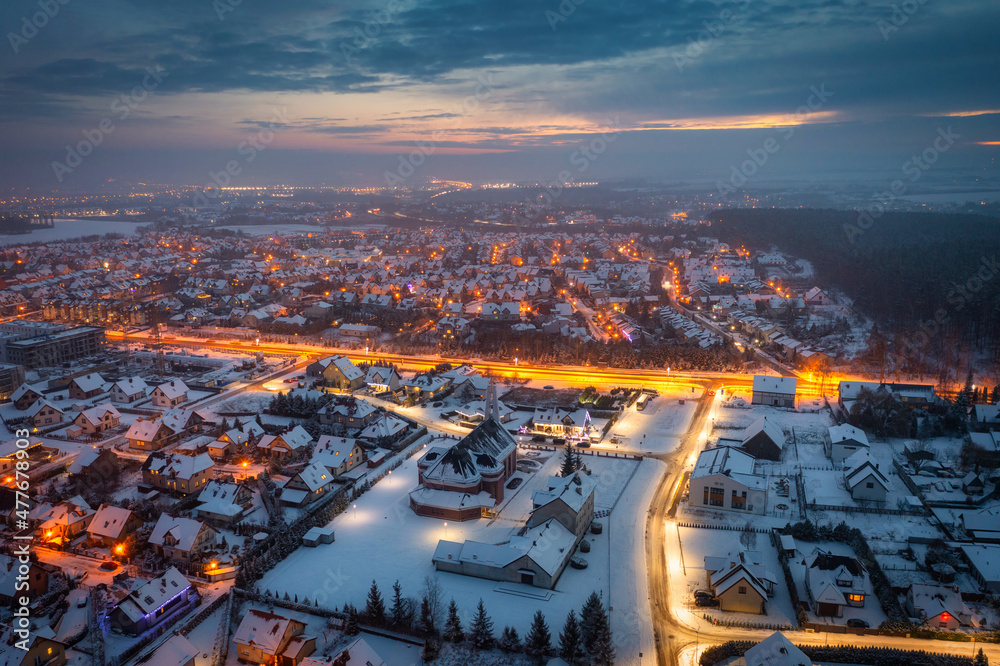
(157, 339)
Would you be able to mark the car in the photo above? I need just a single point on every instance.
(538, 438)
(436, 404)
(857, 624)
(558, 441)
(549, 387)
(578, 563)
(108, 566)
(291, 380)
(704, 593)
(583, 445)
(706, 602)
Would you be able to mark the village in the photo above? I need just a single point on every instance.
(319, 451)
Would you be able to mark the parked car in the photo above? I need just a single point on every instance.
(583, 445)
(578, 563)
(436, 404)
(706, 602)
(857, 624)
(558, 441)
(704, 593)
(549, 387)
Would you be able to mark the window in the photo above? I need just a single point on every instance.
(856, 597)
(742, 589)
(870, 484)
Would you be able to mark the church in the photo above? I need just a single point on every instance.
(465, 481)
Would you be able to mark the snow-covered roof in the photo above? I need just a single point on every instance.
(95, 415)
(771, 384)
(776, 650)
(173, 389)
(89, 382)
(846, 431)
(573, 490)
(386, 425)
(109, 521)
(220, 498)
(769, 428)
(314, 476)
(180, 466)
(152, 595)
(263, 630)
(183, 530)
(131, 386)
(84, 459)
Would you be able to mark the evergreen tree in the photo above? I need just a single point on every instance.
(431, 649)
(603, 652)
(568, 463)
(399, 615)
(453, 625)
(509, 640)
(569, 640)
(981, 659)
(538, 642)
(351, 627)
(995, 395)
(592, 616)
(375, 607)
(426, 621)
(481, 630)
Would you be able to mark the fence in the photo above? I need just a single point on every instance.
(748, 624)
(866, 509)
(727, 528)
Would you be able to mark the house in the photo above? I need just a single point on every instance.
(43, 413)
(384, 430)
(310, 483)
(537, 558)
(974, 483)
(12, 580)
(981, 526)
(150, 434)
(223, 503)
(726, 478)
(984, 565)
(93, 466)
(87, 386)
(835, 581)
(380, 379)
(348, 411)
(557, 422)
(177, 473)
(111, 525)
(464, 480)
(739, 590)
(64, 522)
(775, 650)
(816, 296)
(175, 651)
(43, 650)
(25, 396)
(181, 538)
(910, 395)
(358, 653)
(774, 391)
(338, 454)
(569, 500)
(427, 386)
(284, 445)
(763, 439)
(337, 371)
(129, 390)
(985, 414)
(264, 638)
(153, 602)
(843, 441)
(95, 420)
(938, 606)
(243, 436)
(170, 394)
(864, 479)
(314, 536)
(987, 447)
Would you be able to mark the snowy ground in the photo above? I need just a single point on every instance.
(380, 538)
(686, 551)
(69, 229)
(656, 429)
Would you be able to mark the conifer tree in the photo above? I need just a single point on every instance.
(453, 625)
(569, 640)
(538, 642)
(375, 607)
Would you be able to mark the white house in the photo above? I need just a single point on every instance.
(129, 390)
(726, 478)
(170, 394)
(774, 391)
(843, 441)
(864, 479)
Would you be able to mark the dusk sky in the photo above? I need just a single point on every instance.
(502, 90)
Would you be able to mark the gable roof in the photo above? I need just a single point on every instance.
(109, 521)
(184, 530)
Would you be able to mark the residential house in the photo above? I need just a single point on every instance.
(561, 422)
(25, 395)
(348, 411)
(282, 446)
(43, 413)
(310, 483)
(337, 371)
(153, 602)
(181, 538)
(176, 473)
(43, 650)
(93, 466)
(835, 581)
(129, 390)
(63, 522)
(12, 580)
(567, 499)
(938, 606)
(150, 434)
(740, 580)
(338, 454)
(263, 638)
(864, 479)
(111, 525)
(95, 420)
(86, 386)
(775, 650)
(726, 478)
(222, 503)
(843, 441)
(358, 653)
(774, 391)
(170, 394)
(380, 379)
(763, 439)
(385, 430)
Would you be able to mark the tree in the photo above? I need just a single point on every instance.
(375, 607)
(603, 652)
(748, 536)
(568, 463)
(569, 640)
(538, 642)
(481, 630)
(351, 627)
(399, 614)
(425, 623)
(592, 617)
(453, 625)
(431, 649)
(981, 659)
(509, 640)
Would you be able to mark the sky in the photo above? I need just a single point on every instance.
(309, 92)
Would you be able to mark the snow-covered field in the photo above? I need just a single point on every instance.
(70, 229)
(656, 429)
(380, 538)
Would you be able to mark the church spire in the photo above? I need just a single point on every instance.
(492, 404)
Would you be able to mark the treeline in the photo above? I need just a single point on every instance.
(930, 280)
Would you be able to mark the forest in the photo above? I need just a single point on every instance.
(930, 282)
